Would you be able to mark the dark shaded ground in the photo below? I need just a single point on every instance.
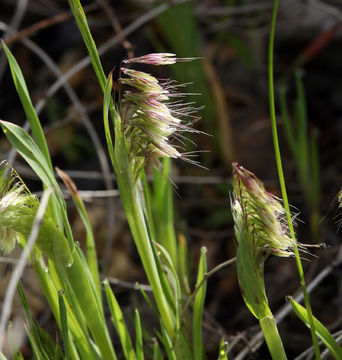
(236, 47)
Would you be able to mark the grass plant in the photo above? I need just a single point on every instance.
(139, 129)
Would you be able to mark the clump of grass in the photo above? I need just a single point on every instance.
(146, 121)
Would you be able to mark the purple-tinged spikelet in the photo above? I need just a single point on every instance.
(262, 215)
(152, 113)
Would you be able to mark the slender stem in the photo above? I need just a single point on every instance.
(282, 180)
(206, 276)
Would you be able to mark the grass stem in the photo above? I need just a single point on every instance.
(282, 180)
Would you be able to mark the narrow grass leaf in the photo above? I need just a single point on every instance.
(119, 322)
(168, 346)
(138, 336)
(183, 263)
(223, 350)
(64, 323)
(321, 331)
(173, 280)
(157, 352)
(82, 23)
(32, 117)
(106, 104)
(163, 210)
(198, 308)
(31, 329)
(90, 239)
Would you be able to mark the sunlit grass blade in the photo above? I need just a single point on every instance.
(64, 323)
(148, 205)
(82, 23)
(163, 210)
(119, 322)
(138, 336)
(321, 331)
(223, 350)
(173, 280)
(32, 117)
(80, 283)
(183, 263)
(90, 239)
(198, 308)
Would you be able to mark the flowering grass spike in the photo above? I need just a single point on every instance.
(260, 231)
(18, 208)
(262, 215)
(153, 113)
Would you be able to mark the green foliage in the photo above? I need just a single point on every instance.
(71, 281)
(321, 331)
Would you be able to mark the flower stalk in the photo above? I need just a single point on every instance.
(282, 180)
(149, 116)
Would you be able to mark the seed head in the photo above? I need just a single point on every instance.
(158, 59)
(259, 213)
(153, 113)
(18, 208)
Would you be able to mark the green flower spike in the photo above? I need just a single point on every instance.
(18, 208)
(260, 231)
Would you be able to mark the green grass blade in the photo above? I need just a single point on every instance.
(64, 323)
(321, 331)
(81, 284)
(32, 117)
(223, 350)
(106, 105)
(173, 280)
(82, 23)
(163, 211)
(119, 322)
(148, 204)
(90, 239)
(157, 353)
(30, 151)
(183, 262)
(31, 329)
(138, 337)
(281, 175)
(168, 346)
(272, 337)
(198, 308)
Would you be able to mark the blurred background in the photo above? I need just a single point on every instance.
(231, 82)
